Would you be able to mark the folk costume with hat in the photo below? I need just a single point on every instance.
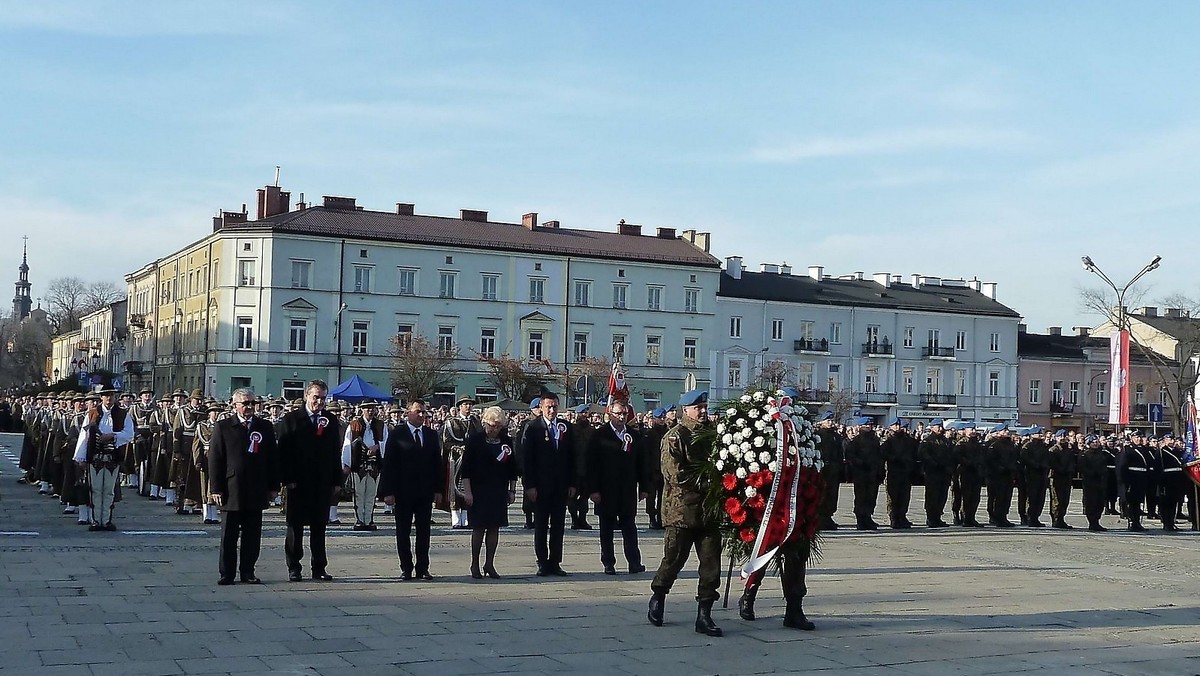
(455, 432)
(105, 432)
(362, 456)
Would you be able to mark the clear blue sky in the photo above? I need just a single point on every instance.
(998, 140)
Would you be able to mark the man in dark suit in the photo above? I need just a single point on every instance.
(310, 461)
(243, 476)
(549, 480)
(413, 474)
(616, 482)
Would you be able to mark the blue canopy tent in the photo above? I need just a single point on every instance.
(356, 389)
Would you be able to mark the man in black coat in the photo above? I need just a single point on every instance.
(243, 476)
(616, 481)
(310, 461)
(413, 474)
(549, 449)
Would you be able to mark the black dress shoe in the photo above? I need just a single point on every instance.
(1036, 524)
(639, 568)
(557, 570)
(475, 574)
(250, 579)
(95, 527)
(867, 525)
(322, 576)
(360, 526)
(543, 571)
(423, 575)
(225, 581)
(294, 576)
(371, 526)
(1097, 528)
(406, 575)
(610, 570)
(490, 571)
(110, 526)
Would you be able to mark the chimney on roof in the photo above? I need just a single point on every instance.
(785, 269)
(1082, 331)
(700, 240)
(552, 225)
(624, 228)
(816, 272)
(228, 218)
(272, 201)
(339, 203)
(405, 209)
(916, 281)
(1178, 313)
(474, 215)
(927, 280)
(858, 275)
(883, 279)
(1022, 328)
(988, 289)
(974, 284)
(1054, 330)
(733, 266)
(1148, 311)
(301, 205)
(529, 220)
(769, 267)
(666, 233)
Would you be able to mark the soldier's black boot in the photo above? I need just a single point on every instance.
(704, 621)
(746, 604)
(1096, 527)
(793, 617)
(1135, 524)
(655, 613)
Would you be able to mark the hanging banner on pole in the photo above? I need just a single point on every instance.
(1118, 366)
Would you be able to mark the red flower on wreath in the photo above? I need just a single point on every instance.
(738, 517)
(757, 502)
(747, 535)
(733, 505)
(729, 482)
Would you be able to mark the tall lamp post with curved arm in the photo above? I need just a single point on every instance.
(1122, 322)
(337, 330)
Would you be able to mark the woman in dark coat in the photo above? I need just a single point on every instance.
(489, 475)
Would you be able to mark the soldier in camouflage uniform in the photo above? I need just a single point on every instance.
(1093, 468)
(899, 451)
(1064, 457)
(831, 445)
(1000, 458)
(971, 473)
(865, 462)
(1034, 456)
(683, 515)
(936, 455)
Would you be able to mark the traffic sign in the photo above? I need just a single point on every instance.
(1156, 413)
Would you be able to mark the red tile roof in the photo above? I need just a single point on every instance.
(445, 231)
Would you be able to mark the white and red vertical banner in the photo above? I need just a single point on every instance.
(1118, 367)
(618, 389)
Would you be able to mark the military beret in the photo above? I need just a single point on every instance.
(936, 422)
(863, 420)
(582, 408)
(535, 402)
(827, 415)
(693, 398)
(659, 412)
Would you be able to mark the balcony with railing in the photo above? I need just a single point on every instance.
(877, 398)
(134, 367)
(813, 397)
(810, 346)
(878, 349)
(1062, 407)
(939, 400)
(935, 352)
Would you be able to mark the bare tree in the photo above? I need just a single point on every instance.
(512, 378)
(66, 297)
(100, 295)
(841, 402)
(420, 369)
(596, 370)
(774, 375)
(24, 347)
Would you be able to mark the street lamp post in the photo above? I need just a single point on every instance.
(337, 337)
(1122, 318)
(1092, 398)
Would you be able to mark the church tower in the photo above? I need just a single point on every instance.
(22, 303)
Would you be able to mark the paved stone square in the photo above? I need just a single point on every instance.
(956, 601)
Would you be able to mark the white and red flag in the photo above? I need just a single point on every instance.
(1118, 368)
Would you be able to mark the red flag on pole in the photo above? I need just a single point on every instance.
(618, 390)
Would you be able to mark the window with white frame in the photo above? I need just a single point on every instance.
(618, 347)
(872, 334)
(995, 342)
(246, 272)
(408, 282)
(1056, 392)
(933, 381)
(580, 346)
(908, 336)
(835, 333)
(487, 342)
(404, 334)
(689, 351)
(620, 295)
(806, 330)
(446, 284)
(834, 381)
(935, 339)
(691, 300)
(654, 297)
(1073, 392)
(445, 343)
(993, 383)
(362, 279)
(245, 333)
(960, 340)
(537, 290)
(734, 379)
(301, 274)
(735, 327)
(906, 379)
(804, 376)
(871, 379)
(653, 350)
(298, 335)
(583, 294)
(776, 329)
(535, 343)
(960, 382)
(360, 330)
(1035, 391)
(1102, 394)
(1139, 394)
(489, 284)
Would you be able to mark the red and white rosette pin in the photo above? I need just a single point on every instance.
(562, 429)
(505, 453)
(255, 440)
(627, 442)
(322, 423)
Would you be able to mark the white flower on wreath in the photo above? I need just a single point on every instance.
(723, 454)
(740, 473)
(816, 438)
(791, 450)
(745, 446)
(720, 465)
(764, 457)
(751, 492)
(760, 396)
(760, 425)
(748, 456)
(759, 442)
(806, 462)
(741, 422)
(745, 399)
(727, 439)
(773, 466)
(735, 451)
(819, 464)
(720, 428)
(755, 467)
(731, 412)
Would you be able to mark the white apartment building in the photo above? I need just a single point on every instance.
(874, 346)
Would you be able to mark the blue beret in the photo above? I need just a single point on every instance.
(790, 392)
(693, 397)
(936, 422)
(864, 420)
(1092, 438)
(1060, 433)
(668, 409)
(659, 412)
(1168, 435)
(999, 427)
(893, 421)
(827, 415)
(582, 408)
(537, 401)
